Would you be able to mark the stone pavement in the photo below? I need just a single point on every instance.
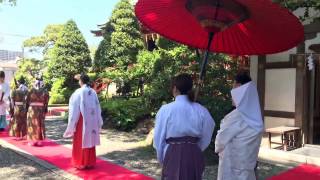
(309, 154)
(14, 166)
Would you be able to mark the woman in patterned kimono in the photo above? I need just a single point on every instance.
(37, 104)
(18, 127)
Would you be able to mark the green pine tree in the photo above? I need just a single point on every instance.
(70, 54)
(102, 58)
(126, 40)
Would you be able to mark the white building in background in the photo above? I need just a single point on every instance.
(8, 63)
(289, 91)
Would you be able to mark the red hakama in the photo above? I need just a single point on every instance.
(82, 157)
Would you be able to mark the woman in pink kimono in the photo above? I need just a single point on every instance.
(84, 124)
(238, 140)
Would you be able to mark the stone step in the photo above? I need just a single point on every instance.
(312, 146)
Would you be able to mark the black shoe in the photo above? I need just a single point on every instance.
(1, 129)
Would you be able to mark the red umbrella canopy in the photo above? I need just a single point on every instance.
(240, 27)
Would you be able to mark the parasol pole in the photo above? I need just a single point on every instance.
(203, 66)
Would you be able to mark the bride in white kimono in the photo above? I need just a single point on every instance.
(238, 140)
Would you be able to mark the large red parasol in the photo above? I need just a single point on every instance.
(248, 27)
(238, 27)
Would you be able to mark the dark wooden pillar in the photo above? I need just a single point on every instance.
(261, 81)
(302, 101)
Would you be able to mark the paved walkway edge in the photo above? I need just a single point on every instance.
(274, 156)
(42, 163)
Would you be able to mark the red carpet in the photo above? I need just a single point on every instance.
(60, 157)
(302, 172)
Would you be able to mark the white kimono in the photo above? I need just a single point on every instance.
(182, 118)
(5, 90)
(85, 101)
(238, 140)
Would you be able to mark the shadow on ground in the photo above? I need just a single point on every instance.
(55, 129)
(14, 166)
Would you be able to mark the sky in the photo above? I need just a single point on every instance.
(30, 17)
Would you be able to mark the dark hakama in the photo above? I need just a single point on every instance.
(82, 157)
(183, 160)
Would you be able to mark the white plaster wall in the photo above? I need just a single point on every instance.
(271, 122)
(281, 57)
(280, 89)
(254, 68)
(313, 14)
(312, 41)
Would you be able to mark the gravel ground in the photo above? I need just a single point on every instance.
(16, 167)
(129, 150)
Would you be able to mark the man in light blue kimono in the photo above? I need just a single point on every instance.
(183, 130)
(4, 101)
(238, 140)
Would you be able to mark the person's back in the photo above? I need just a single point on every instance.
(37, 107)
(90, 108)
(84, 124)
(239, 137)
(183, 130)
(245, 147)
(238, 146)
(19, 113)
(185, 118)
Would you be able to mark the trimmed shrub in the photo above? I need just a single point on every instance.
(124, 114)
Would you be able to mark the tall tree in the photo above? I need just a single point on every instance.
(126, 40)
(29, 69)
(306, 4)
(102, 58)
(45, 41)
(122, 39)
(10, 2)
(70, 54)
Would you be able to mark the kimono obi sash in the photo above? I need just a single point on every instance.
(36, 104)
(182, 140)
(18, 103)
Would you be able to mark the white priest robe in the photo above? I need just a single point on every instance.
(85, 101)
(182, 118)
(238, 140)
